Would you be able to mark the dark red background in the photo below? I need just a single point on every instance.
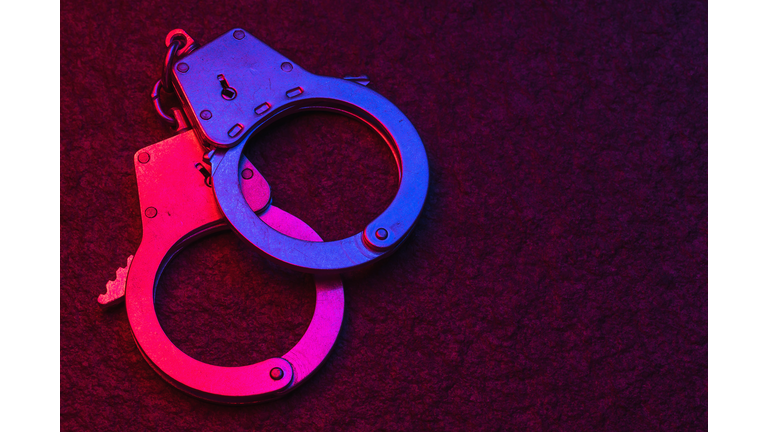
(557, 279)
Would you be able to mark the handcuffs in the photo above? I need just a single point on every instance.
(199, 182)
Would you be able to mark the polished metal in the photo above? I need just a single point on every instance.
(115, 294)
(155, 96)
(179, 44)
(362, 79)
(170, 58)
(188, 44)
(270, 86)
(199, 182)
(184, 210)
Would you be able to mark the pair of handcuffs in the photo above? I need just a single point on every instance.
(199, 182)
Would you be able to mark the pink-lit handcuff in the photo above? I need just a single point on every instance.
(199, 182)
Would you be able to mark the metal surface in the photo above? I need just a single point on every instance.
(188, 44)
(156, 102)
(179, 44)
(185, 210)
(229, 90)
(362, 79)
(115, 294)
(254, 186)
(270, 86)
(170, 59)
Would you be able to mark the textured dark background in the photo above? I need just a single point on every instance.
(556, 280)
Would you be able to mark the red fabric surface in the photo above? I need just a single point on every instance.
(557, 277)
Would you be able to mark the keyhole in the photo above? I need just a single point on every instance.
(227, 92)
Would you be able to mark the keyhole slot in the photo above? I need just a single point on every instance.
(227, 92)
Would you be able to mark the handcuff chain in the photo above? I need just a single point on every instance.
(164, 83)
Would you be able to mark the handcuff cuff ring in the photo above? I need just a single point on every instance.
(274, 91)
(185, 210)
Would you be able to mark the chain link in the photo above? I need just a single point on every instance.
(164, 83)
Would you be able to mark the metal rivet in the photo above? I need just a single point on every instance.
(261, 109)
(182, 67)
(206, 115)
(238, 34)
(294, 92)
(150, 212)
(382, 234)
(143, 157)
(247, 173)
(276, 373)
(286, 66)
